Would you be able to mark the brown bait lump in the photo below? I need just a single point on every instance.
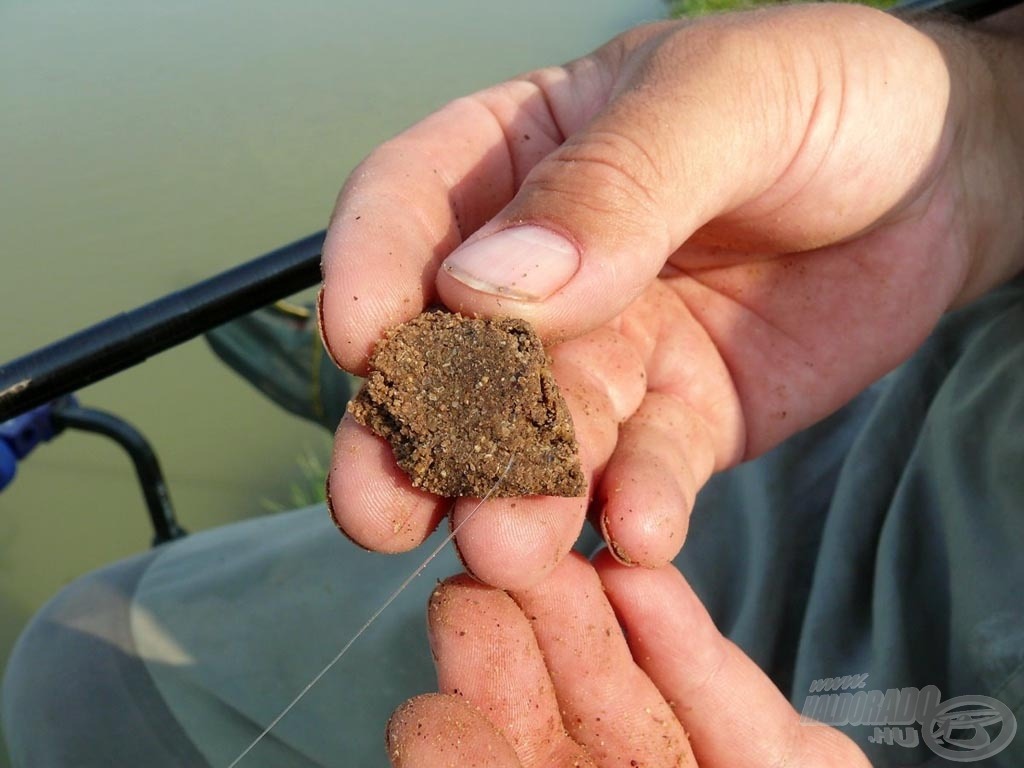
(458, 397)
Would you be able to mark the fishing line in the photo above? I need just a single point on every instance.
(394, 595)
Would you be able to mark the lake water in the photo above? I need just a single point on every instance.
(146, 145)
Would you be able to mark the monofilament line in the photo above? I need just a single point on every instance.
(373, 618)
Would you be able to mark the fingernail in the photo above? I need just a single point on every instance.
(330, 503)
(526, 262)
(617, 552)
(320, 327)
(334, 518)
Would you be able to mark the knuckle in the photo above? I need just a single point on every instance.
(607, 172)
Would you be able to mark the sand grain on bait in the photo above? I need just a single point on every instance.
(456, 397)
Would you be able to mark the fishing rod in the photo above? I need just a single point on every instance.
(128, 338)
(966, 10)
(36, 404)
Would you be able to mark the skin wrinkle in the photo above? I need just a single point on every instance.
(693, 275)
(812, 123)
(743, 438)
(557, 122)
(751, 208)
(602, 175)
(660, 383)
(742, 399)
(658, 424)
(809, 132)
(917, 201)
(729, 394)
(647, 175)
(576, 92)
(727, 37)
(547, 120)
(648, 330)
(620, 403)
(635, 332)
(453, 202)
(792, 741)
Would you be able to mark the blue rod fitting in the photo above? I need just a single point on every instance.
(20, 436)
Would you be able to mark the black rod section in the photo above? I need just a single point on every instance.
(129, 338)
(968, 10)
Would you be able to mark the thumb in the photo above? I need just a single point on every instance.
(591, 225)
(727, 121)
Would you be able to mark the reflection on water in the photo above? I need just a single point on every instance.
(144, 145)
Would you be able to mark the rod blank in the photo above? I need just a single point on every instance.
(129, 338)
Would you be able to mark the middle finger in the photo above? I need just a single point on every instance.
(608, 704)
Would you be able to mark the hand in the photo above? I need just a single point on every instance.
(732, 226)
(545, 677)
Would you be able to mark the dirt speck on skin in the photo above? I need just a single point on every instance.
(458, 397)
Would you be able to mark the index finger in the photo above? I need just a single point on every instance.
(419, 195)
